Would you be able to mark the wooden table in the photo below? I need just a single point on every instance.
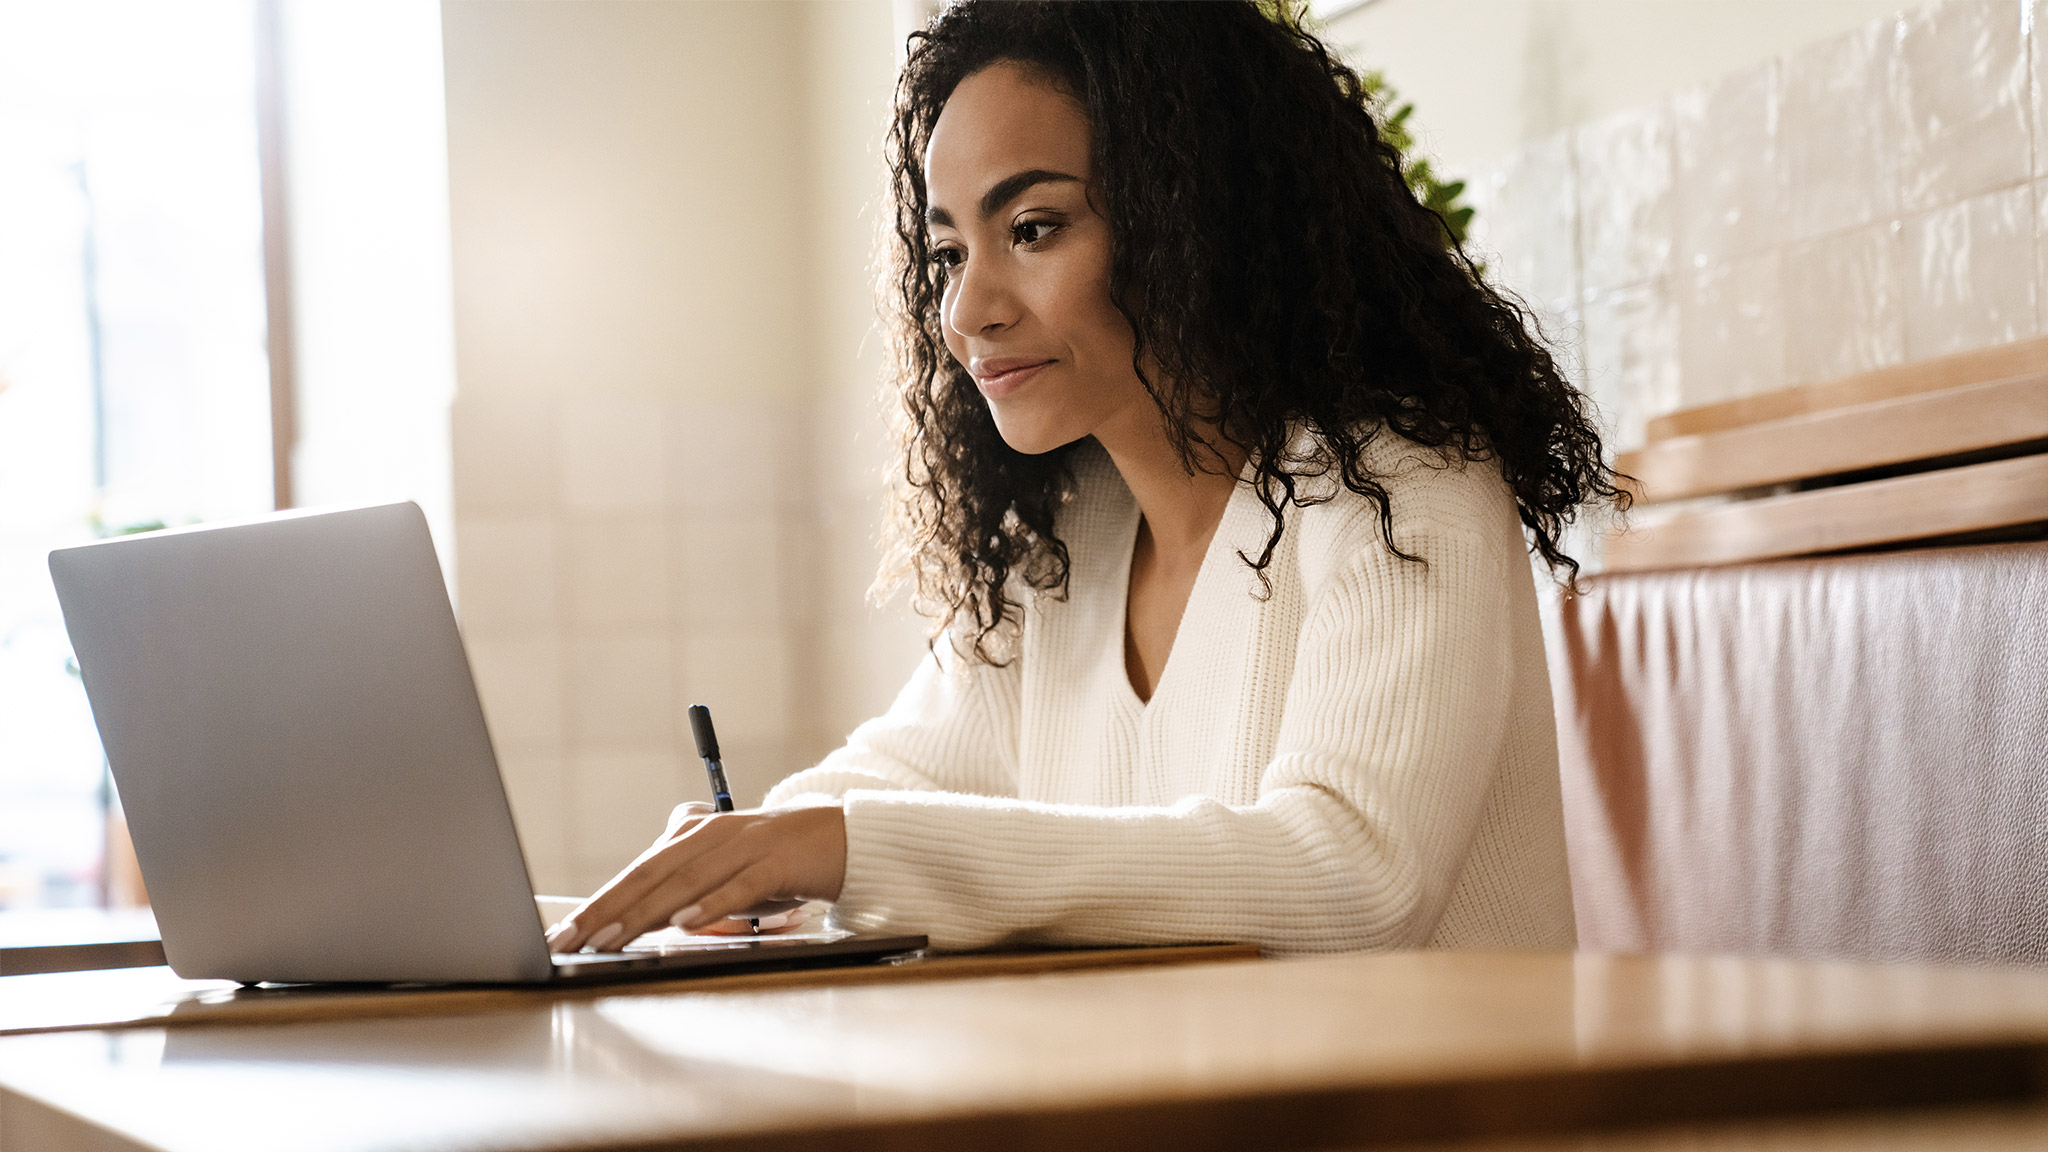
(142, 997)
(1338, 1052)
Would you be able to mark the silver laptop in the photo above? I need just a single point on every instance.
(291, 723)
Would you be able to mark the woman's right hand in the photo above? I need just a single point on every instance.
(683, 818)
(778, 916)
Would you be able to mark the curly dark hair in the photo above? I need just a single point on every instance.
(1272, 264)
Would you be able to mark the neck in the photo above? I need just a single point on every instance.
(1181, 511)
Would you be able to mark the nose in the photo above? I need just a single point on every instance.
(979, 299)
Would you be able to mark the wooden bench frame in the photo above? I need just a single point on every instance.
(1942, 450)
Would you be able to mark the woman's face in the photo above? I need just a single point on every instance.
(1025, 256)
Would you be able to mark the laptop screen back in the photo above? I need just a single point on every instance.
(291, 723)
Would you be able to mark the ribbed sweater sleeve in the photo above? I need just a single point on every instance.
(1392, 729)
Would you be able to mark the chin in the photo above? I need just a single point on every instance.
(1033, 437)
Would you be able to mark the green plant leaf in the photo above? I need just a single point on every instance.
(1439, 196)
(1393, 113)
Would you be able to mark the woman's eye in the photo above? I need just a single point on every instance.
(946, 259)
(1032, 231)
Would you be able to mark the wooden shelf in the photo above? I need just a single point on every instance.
(2003, 362)
(1953, 421)
(1977, 498)
(1947, 450)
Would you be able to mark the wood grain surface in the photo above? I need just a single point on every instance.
(2003, 362)
(136, 997)
(1990, 1128)
(1951, 422)
(1953, 501)
(1348, 1051)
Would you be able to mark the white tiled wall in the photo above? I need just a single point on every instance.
(608, 580)
(1868, 200)
(666, 459)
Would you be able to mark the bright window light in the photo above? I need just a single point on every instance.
(134, 386)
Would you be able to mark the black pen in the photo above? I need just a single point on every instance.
(707, 747)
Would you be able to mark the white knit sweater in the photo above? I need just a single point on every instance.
(1362, 756)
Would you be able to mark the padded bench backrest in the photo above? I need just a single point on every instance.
(1833, 757)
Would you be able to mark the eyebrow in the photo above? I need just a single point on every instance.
(1004, 191)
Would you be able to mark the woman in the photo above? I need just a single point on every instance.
(1218, 466)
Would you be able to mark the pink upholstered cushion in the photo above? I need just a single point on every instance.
(1832, 757)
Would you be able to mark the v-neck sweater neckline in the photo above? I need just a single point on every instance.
(1240, 491)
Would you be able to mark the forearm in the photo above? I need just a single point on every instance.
(1298, 872)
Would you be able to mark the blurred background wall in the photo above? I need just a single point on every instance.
(1491, 75)
(667, 442)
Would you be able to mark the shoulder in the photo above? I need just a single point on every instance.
(1439, 504)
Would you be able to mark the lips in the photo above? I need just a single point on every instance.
(1000, 376)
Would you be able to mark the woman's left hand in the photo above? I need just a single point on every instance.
(711, 866)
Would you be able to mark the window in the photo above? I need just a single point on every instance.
(134, 385)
